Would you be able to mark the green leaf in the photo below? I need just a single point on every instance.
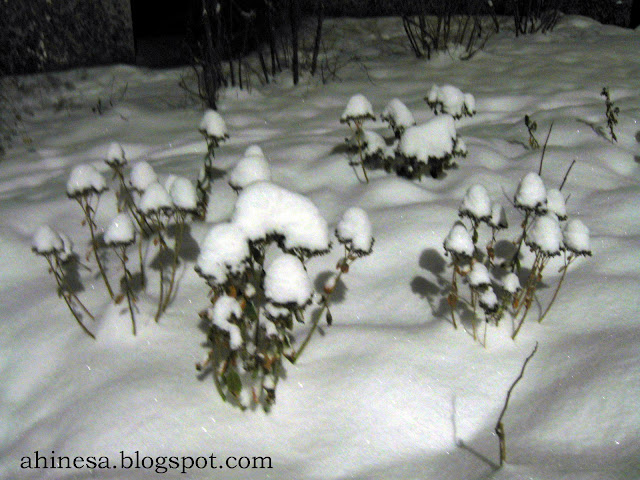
(233, 382)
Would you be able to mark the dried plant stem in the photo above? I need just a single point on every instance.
(499, 429)
(555, 294)
(88, 214)
(544, 149)
(566, 175)
(127, 285)
(180, 220)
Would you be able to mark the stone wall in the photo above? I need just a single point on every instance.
(45, 35)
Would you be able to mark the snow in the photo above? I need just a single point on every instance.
(265, 209)
(531, 193)
(183, 194)
(398, 116)
(142, 175)
(213, 125)
(120, 231)
(488, 300)
(225, 251)
(225, 309)
(458, 241)
(286, 282)
(84, 180)
(434, 139)
(576, 237)
(253, 167)
(115, 155)
(479, 276)
(498, 218)
(545, 235)
(476, 204)
(511, 283)
(450, 100)
(556, 203)
(354, 230)
(155, 199)
(391, 391)
(46, 241)
(358, 108)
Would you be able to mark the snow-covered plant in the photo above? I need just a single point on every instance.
(258, 295)
(57, 249)
(611, 113)
(531, 127)
(116, 160)
(85, 185)
(371, 148)
(398, 116)
(430, 147)
(252, 167)
(214, 130)
(121, 234)
(504, 288)
(357, 111)
(450, 100)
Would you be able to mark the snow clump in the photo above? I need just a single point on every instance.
(85, 180)
(531, 194)
(286, 282)
(556, 203)
(225, 252)
(449, 99)
(183, 195)
(398, 116)
(213, 126)
(545, 236)
(458, 242)
(576, 237)
(142, 175)
(225, 309)
(115, 155)
(265, 210)
(47, 241)
(120, 231)
(358, 109)
(476, 204)
(498, 220)
(155, 199)
(479, 276)
(431, 140)
(511, 283)
(488, 301)
(251, 168)
(354, 230)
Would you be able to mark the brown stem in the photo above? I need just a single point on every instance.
(555, 294)
(89, 217)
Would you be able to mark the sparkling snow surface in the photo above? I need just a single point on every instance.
(390, 391)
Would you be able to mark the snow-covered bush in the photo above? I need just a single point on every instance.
(252, 167)
(430, 147)
(259, 295)
(450, 100)
(214, 130)
(505, 288)
(357, 111)
(398, 116)
(57, 249)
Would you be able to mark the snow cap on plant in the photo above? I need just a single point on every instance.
(354, 231)
(498, 218)
(576, 238)
(213, 127)
(545, 236)
(358, 110)
(155, 199)
(488, 301)
(224, 253)
(458, 242)
(476, 204)
(286, 282)
(451, 100)
(251, 168)
(67, 248)
(85, 180)
(115, 155)
(267, 211)
(183, 195)
(435, 139)
(142, 175)
(120, 231)
(479, 276)
(47, 241)
(511, 283)
(398, 116)
(226, 309)
(531, 194)
(556, 203)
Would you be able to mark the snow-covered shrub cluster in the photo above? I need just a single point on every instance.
(257, 295)
(417, 149)
(214, 130)
(502, 287)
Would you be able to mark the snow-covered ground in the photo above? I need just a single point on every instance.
(391, 390)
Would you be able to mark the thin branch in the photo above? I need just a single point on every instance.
(567, 174)
(544, 148)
